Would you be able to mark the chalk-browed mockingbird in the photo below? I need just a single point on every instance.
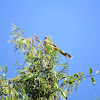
(47, 41)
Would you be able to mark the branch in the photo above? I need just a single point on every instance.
(91, 75)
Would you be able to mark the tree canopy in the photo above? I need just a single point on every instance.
(37, 78)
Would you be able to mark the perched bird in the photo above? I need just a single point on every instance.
(48, 41)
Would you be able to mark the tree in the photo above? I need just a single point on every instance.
(37, 78)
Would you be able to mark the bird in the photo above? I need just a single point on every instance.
(55, 47)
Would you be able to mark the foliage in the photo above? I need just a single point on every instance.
(97, 98)
(37, 78)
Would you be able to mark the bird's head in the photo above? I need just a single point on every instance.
(46, 37)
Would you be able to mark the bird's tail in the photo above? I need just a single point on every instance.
(66, 54)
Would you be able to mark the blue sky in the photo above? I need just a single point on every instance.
(74, 26)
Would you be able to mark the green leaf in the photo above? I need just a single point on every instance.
(76, 75)
(72, 79)
(5, 68)
(93, 80)
(64, 93)
(90, 70)
(4, 75)
(0, 68)
(48, 56)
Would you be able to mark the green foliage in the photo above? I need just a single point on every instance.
(90, 70)
(37, 79)
(97, 98)
(93, 80)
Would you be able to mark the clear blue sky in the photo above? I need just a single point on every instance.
(74, 26)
